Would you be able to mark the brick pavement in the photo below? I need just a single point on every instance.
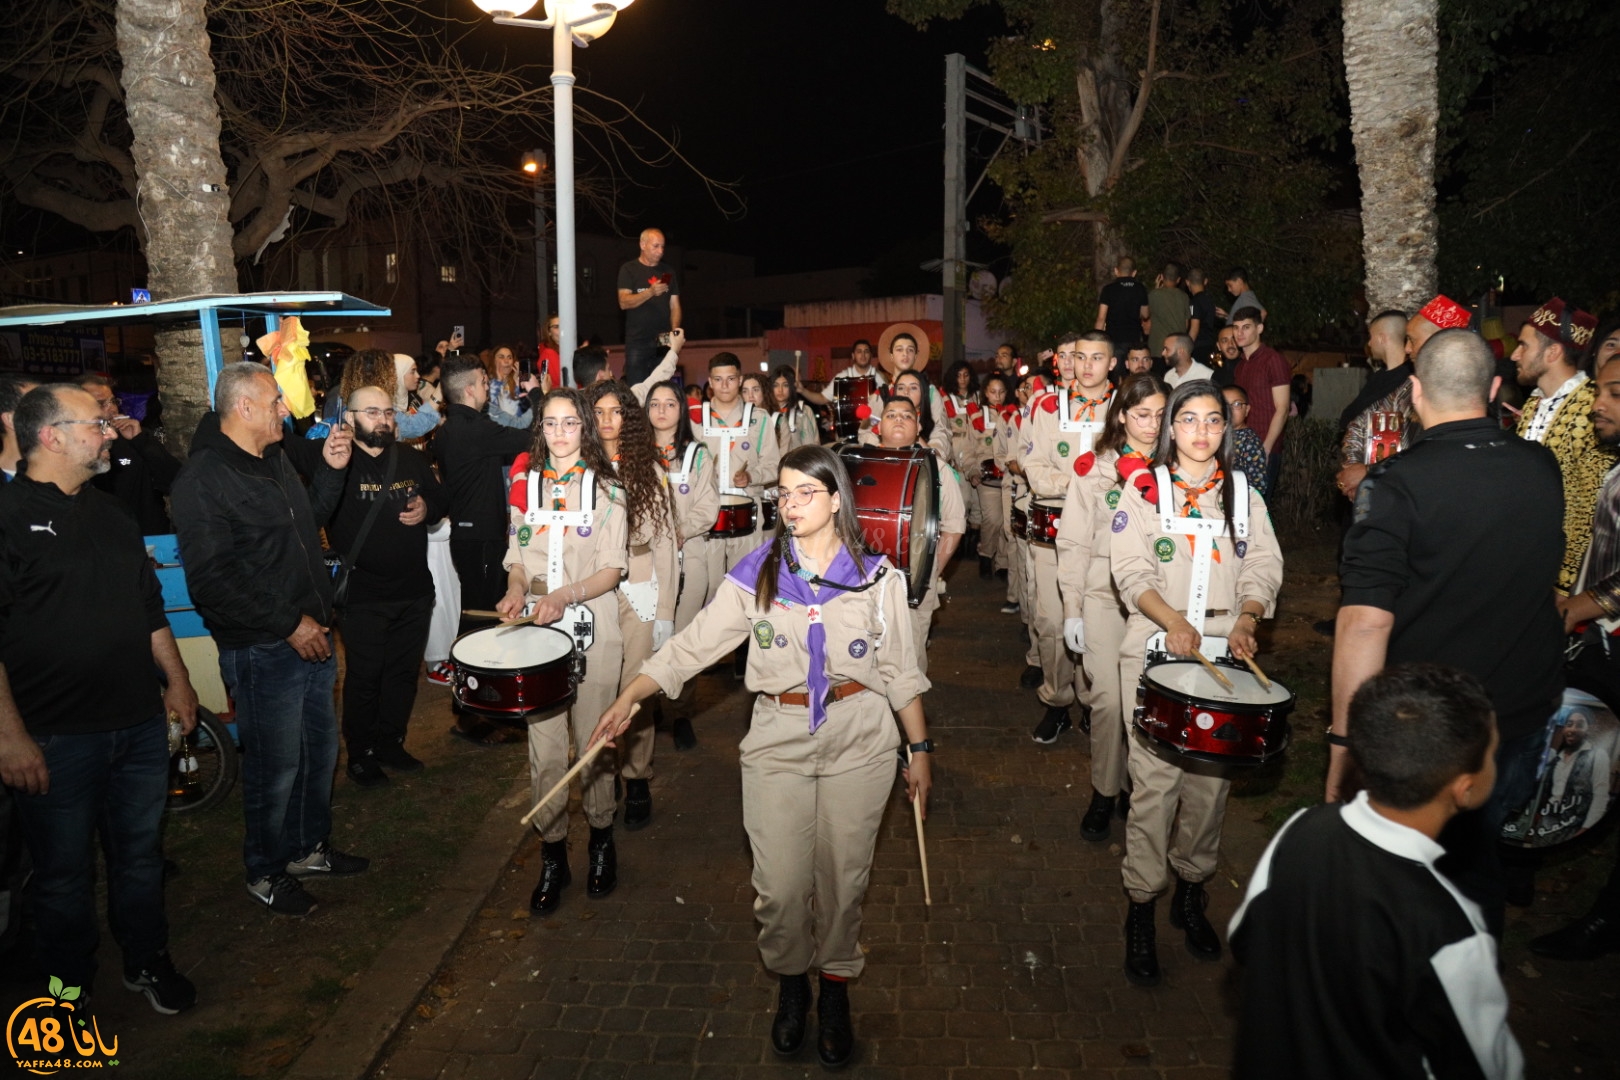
(1014, 972)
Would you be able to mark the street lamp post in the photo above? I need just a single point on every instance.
(534, 163)
(571, 22)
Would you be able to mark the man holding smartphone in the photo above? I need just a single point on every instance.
(650, 298)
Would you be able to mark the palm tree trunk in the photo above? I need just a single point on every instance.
(1391, 57)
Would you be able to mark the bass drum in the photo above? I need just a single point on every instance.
(851, 394)
(897, 502)
(1577, 778)
(506, 673)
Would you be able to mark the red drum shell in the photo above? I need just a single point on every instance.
(1020, 522)
(1229, 732)
(850, 393)
(897, 502)
(1044, 518)
(511, 692)
(989, 474)
(736, 518)
(767, 516)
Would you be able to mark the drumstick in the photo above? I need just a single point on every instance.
(922, 850)
(1220, 678)
(1254, 667)
(584, 759)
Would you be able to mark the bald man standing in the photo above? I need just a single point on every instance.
(650, 298)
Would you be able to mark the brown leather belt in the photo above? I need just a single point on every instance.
(802, 701)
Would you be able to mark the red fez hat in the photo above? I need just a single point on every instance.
(1563, 324)
(1446, 313)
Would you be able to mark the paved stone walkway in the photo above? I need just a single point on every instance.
(1014, 972)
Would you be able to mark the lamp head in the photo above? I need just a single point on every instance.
(510, 9)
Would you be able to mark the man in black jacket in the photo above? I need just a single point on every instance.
(472, 450)
(1452, 559)
(247, 534)
(141, 469)
(83, 739)
(388, 604)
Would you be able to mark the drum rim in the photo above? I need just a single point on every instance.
(1207, 758)
(1153, 685)
(479, 669)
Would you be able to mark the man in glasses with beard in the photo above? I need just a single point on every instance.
(390, 498)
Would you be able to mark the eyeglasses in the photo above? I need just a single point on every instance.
(571, 423)
(105, 425)
(374, 413)
(1145, 416)
(798, 496)
(1189, 422)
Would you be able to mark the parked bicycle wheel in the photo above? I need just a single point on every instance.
(204, 770)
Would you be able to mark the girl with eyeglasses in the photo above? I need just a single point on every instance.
(690, 467)
(1176, 812)
(830, 656)
(1093, 617)
(567, 472)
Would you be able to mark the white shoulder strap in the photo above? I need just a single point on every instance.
(1240, 510)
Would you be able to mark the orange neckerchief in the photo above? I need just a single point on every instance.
(548, 474)
(1077, 400)
(1189, 506)
(666, 454)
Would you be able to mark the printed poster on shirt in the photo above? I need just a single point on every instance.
(1575, 777)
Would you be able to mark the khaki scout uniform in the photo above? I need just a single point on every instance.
(1086, 581)
(648, 594)
(952, 520)
(741, 438)
(812, 803)
(586, 549)
(1050, 446)
(1169, 793)
(993, 543)
(960, 415)
(795, 429)
(697, 503)
(1019, 574)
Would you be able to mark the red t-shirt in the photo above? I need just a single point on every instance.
(1258, 374)
(551, 364)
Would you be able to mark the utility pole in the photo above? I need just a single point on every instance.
(952, 266)
(534, 163)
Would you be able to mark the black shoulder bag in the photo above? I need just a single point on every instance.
(343, 565)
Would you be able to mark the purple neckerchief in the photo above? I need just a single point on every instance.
(795, 590)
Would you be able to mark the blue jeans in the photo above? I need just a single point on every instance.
(287, 722)
(116, 782)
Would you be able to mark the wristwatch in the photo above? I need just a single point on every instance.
(924, 747)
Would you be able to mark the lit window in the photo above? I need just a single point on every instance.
(391, 266)
(447, 275)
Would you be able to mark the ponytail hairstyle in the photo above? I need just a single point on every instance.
(1165, 454)
(823, 466)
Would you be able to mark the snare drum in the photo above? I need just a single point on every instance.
(510, 672)
(851, 393)
(897, 502)
(989, 475)
(1184, 708)
(1044, 517)
(1020, 517)
(736, 517)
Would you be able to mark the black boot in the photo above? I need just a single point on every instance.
(603, 862)
(1141, 948)
(637, 805)
(1054, 722)
(685, 737)
(985, 565)
(1099, 815)
(1187, 913)
(554, 877)
(1031, 677)
(792, 1006)
(835, 1035)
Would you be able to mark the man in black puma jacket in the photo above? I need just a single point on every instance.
(254, 569)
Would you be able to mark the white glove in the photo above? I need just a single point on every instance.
(663, 630)
(1074, 636)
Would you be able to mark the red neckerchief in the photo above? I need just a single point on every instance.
(1133, 469)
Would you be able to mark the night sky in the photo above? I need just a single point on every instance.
(830, 114)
